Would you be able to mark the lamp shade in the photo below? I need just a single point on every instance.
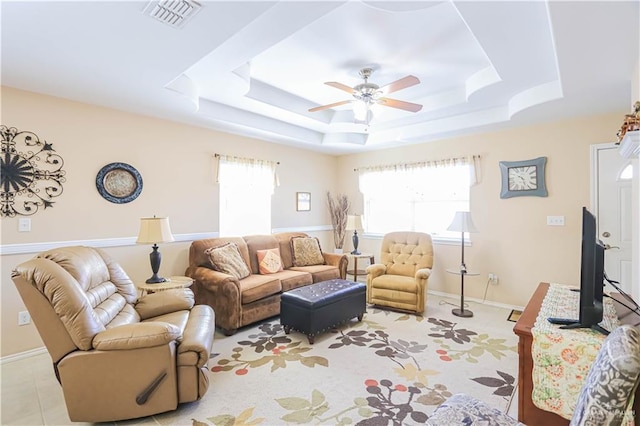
(154, 230)
(354, 222)
(462, 223)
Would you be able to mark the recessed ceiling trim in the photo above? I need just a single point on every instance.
(174, 13)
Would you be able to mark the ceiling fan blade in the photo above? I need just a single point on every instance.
(335, 104)
(394, 103)
(340, 86)
(403, 83)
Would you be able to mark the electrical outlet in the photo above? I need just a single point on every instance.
(24, 318)
(493, 278)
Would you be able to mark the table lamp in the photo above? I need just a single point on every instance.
(354, 222)
(154, 230)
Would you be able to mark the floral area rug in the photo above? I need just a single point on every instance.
(389, 369)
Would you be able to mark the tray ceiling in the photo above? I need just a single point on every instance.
(256, 68)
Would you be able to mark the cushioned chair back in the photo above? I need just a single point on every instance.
(403, 253)
(284, 239)
(197, 257)
(611, 381)
(258, 242)
(73, 293)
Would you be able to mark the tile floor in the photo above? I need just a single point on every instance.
(31, 395)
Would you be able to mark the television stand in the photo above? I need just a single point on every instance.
(569, 324)
(528, 412)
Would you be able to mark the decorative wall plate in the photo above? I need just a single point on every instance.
(523, 178)
(119, 183)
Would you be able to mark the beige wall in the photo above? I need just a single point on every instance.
(175, 161)
(176, 166)
(514, 240)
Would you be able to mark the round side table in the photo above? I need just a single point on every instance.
(355, 271)
(171, 283)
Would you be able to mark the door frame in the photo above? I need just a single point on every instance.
(594, 201)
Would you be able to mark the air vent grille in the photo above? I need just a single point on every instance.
(174, 13)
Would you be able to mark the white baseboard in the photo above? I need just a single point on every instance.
(23, 355)
(473, 299)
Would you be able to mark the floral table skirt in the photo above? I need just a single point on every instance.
(562, 358)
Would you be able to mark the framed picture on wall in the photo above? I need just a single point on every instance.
(303, 201)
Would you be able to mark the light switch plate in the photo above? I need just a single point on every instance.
(555, 220)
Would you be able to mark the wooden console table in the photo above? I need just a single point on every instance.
(528, 413)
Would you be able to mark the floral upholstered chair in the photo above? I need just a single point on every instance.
(605, 397)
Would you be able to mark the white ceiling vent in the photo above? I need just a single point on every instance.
(174, 13)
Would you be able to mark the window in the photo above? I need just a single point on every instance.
(627, 173)
(246, 186)
(419, 197)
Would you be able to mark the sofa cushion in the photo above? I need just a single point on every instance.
(269, 261)
(319, 272)
(256, 287)
(290, 279)
(284, 242)
(306, 251)
(259, 242)
(226, 258)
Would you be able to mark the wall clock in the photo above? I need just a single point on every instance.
(523, 178)
(119, 183)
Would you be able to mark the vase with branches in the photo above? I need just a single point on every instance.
(339, 209)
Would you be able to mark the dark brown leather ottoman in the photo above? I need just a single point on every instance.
(318, 307)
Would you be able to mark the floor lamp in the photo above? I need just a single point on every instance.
(155, 230)
(462, 223)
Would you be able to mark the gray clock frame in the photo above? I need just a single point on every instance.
(540, 165)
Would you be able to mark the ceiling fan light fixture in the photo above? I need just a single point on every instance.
(362, 112)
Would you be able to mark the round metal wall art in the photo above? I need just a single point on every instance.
(31, 173)
(119, 183)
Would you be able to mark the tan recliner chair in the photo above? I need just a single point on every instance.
(399, 281)
(116, 356)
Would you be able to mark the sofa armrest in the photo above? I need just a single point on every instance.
(338, 260)
(136, 336)
(210, 279)
(221, 292)
(164, 302)
(423, 274)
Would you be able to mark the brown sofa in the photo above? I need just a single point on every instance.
(240, 302)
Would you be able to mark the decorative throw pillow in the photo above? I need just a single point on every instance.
(269, 261)
(306, 251)
(227, 258)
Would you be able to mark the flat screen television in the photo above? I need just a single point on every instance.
(591, 279)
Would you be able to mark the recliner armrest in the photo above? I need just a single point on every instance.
(164, 302)
(376, 270)
(423, 274)
(135, 336)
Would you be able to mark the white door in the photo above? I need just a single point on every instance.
(613, 211)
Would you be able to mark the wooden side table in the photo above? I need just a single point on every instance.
(172, 282)
(355, 271)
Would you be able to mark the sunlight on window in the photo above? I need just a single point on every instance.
(422, 199)
(245, 199)
(627, 173)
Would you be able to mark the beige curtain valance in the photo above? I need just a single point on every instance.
(251, 167)
(472, 160)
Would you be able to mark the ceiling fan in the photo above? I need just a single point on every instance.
(370, 93)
